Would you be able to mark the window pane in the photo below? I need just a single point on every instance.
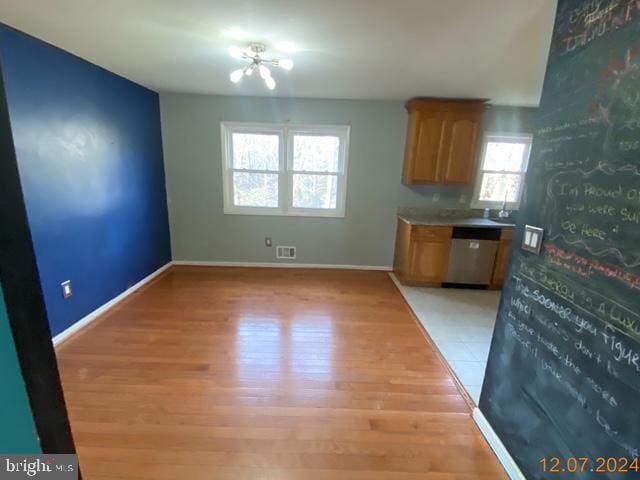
(312, 153)
(314, 191)
(495, 186)
(253, 151)
(504, 156)
(255, 189)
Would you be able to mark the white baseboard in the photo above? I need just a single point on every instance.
(83, 322)
(280, 265)
(497, 446)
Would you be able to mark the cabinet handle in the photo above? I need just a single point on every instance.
(426, 233)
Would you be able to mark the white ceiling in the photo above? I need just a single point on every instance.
(375, 49)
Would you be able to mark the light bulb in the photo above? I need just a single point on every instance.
(249, 70)
(236, 52)
(286, 63)
(235, 76)
(271, 83)
(264, 72)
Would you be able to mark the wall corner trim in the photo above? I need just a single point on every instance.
(497, 446)
(83, 322)
(193, 263)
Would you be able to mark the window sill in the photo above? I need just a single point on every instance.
(494, 206)
(305, 213)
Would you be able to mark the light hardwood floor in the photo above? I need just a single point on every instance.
(237, 373)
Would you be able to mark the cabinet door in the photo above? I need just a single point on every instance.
(461, 151)
(502, 263)
(424, 149)
(403, 246)
(430, 260)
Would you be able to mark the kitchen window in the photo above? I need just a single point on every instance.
(503, 165)
(271, 169)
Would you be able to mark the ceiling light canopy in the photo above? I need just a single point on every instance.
(252, 53)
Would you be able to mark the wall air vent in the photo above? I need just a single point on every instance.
(285, 252)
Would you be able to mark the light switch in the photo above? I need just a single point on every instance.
(67, 291)
(532, 239)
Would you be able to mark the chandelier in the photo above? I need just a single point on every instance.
(252, 53)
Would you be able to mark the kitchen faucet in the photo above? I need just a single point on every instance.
(504, 213)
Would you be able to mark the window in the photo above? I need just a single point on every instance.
(501, 173)
(284, 169)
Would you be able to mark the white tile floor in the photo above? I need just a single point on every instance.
(460, 322)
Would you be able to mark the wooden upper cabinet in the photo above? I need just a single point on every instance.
(462, 151)
(442, 139)
(424, 141)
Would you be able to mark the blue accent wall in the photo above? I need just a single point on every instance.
(89, 151)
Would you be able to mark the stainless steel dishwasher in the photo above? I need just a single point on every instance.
(473, 254)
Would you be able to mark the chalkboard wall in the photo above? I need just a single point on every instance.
(563, 377)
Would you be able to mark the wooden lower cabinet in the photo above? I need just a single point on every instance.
(422, 254)
(430, 260)
(502, 259)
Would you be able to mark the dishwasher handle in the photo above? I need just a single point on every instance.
(476, 233)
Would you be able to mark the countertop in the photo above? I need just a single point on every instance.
(454, 222)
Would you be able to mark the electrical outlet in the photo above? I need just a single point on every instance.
(436, 197)
(268, 242)
(67, 291)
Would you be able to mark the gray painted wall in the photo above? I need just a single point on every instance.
(192, 150)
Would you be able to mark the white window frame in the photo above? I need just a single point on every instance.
(286, 133)
(488, 137)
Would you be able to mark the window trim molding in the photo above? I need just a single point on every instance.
(285, 172)
(505, 137)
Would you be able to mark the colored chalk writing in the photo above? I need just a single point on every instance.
(563, 377)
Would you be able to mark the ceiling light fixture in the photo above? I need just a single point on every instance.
(257, 62)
